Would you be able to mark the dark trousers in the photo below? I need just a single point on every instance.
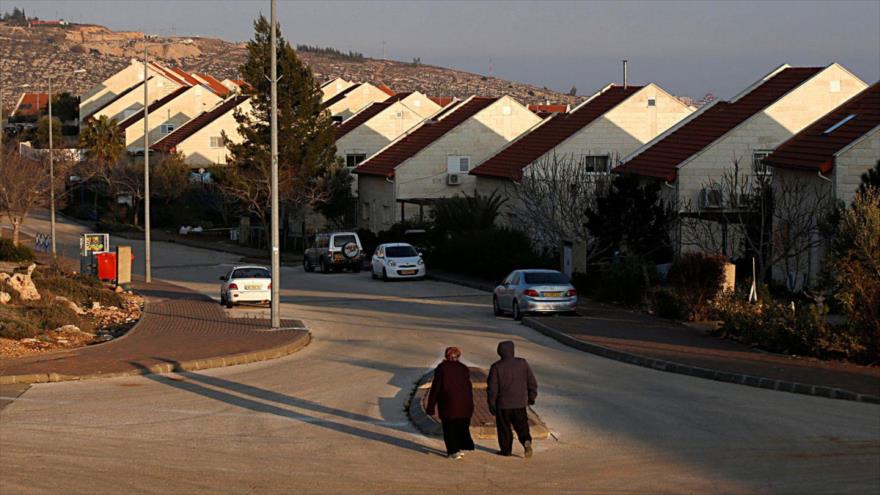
(457, 435)
(507, 418)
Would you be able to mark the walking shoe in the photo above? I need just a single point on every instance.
(456, 456)
(502, 454)
(528, 446)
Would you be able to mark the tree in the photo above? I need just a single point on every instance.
(340, 205)
(573, 91)
(306, 138)
(632, 219)
(24, 185)
(169, 180)
(65, 106)
(550, 199)
(39, 136)
(466, 213)
(104, 144)
(856, 265)
(871, 178)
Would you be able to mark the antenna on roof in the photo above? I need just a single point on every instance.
(625, 73)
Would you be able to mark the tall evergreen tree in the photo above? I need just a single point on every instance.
(306, 138)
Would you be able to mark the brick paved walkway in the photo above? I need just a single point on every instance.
(653, 337)
(178, 326)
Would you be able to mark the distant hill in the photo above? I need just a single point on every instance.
(29, 54)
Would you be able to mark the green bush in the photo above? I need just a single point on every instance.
(778, 327)
(490, 253)
(669, 303)
(624, 280)
(11, 252)
(81, 289)
(697, 277)
(14, 326)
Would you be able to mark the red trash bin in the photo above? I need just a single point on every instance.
(106, 265)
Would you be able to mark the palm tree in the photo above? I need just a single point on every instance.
(104, 143)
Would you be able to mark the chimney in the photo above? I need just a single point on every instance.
(625, 74)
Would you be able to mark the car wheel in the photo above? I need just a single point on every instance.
(384, 275)
(222, 300)
(373, 273)
(496, 307)
(325, 268)
(516, 313)
(229, 303)
(307, 267)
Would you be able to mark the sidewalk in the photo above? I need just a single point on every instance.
(180, 330)
(653, 342)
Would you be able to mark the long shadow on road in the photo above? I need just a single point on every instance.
(190, 385)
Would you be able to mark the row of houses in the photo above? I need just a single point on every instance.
(409, 149)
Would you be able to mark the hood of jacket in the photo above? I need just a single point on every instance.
(506, 350)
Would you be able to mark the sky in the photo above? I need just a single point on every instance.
(688, 47)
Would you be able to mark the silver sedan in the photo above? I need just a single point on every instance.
(534, 291)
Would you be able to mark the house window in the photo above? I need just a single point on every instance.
(758, 165)
(596, 163)
(352, 160)
(167, 129)
(652, 102)
(458, 164)
(216, 141)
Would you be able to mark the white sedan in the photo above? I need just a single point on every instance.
(251, 284)
(397, 260)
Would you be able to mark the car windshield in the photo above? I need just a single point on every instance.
(545, 278)
(400, 252)
(251, 273)
(342, 240)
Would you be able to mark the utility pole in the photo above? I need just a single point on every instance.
(276, 254)
(51, 171)
(147, 269)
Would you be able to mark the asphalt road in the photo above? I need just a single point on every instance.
(330, 419)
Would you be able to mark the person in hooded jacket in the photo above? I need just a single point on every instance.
(511, 388)
(453, 395)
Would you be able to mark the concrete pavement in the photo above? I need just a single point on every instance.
(331, 418)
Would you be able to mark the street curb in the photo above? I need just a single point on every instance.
(683, 369)
(193, 365)
(428, 426)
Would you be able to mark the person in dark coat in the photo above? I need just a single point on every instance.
(453, 395)
(511, 388)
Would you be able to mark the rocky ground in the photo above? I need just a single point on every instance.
(29, 55)
(35, 317)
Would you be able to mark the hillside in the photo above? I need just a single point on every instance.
(28, 55)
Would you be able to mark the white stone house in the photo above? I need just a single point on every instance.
(121, 95)
(354, 98)
(433, 160)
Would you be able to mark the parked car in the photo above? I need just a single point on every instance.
(246, 284)
(397, 260)
(332, 251)
(534, 291)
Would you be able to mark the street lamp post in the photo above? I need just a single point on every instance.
(276, 254)
(148, 276)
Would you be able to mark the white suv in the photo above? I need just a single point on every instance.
(331, 251)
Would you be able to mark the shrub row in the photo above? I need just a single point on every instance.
(11, 252)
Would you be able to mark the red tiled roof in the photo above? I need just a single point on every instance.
(31, 104)
(216, 86)
(126, 123)
(340, 96)
(168, 143)
(360, 118)
(384, 162)
(442, 100)
(386, 89)
(813, 149)
(190, 80)
(511, 160)
(168, 73)
(548, 108)
(662, 158)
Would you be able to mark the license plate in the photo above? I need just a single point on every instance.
(251, 287)
(407, 272)
(552, 294)
(337, 256)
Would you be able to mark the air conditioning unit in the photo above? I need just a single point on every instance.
(711, 198)
(453, 179)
